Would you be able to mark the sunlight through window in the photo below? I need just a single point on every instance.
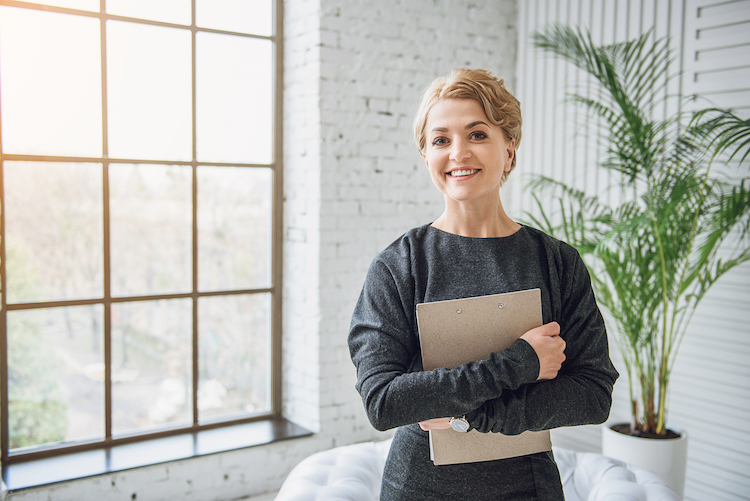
(138, 202)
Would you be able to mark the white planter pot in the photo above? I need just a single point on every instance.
(667, 457)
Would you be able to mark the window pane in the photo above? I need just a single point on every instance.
(234, 228)
(244, 16)
(53, 220)
(151, 229)
(55, 375)
(234, 99)
(149, 92)
(168, 11)
(151, 364)
(234, 355)
(51, 87)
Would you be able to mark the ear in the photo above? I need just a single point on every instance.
(426, 163)
(511, 153)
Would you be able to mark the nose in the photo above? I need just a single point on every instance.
(460, 150)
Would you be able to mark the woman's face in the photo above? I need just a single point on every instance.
(465, 153)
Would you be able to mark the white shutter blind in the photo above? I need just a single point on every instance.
(710, 388)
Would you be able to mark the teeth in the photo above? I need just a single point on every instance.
(464, 172)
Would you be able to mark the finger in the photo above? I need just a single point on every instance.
(551, 329)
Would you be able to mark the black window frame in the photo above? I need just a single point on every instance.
(273, 418)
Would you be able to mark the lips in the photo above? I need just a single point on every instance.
(458, 173)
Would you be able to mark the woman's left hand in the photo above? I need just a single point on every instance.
(442, 423)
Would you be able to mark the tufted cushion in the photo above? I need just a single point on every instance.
(353, 472)
(350, 472)
(592, 477)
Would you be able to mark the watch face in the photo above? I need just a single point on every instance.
(460, 424)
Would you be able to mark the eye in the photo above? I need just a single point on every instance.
(478, 135)
(439, 141)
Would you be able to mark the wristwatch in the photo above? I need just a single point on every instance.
(460, 424)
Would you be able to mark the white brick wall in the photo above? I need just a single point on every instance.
(301, 345)
(353, 182)
(375, 59)
(372, 60)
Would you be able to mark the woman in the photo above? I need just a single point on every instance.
(467, 128)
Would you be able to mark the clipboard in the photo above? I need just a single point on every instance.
(460, 331)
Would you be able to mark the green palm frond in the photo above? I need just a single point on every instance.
(583, 220)
(630, 85)
(731, 213)
(655, 257)
(724, 130)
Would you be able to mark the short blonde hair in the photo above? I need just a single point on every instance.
(500, 106)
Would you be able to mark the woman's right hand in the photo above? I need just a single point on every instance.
(549, 348)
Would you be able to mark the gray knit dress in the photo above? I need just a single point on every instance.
(427, 264)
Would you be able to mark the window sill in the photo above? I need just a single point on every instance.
(78, 465)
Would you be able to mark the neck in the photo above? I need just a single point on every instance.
(476, 221)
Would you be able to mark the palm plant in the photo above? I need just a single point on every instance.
(679, 227)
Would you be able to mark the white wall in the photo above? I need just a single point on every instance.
(358, 182)
(353, 183)
(710, 388)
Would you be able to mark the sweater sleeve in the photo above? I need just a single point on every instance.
(582, 391)
(385, 350)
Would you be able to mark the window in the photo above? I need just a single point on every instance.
(140, 181)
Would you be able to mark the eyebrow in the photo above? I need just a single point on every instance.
(470, 126)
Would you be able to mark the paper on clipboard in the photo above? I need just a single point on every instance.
(459, 331)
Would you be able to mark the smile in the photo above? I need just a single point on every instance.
(463, 172)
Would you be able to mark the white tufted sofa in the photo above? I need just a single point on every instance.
(353, 472)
